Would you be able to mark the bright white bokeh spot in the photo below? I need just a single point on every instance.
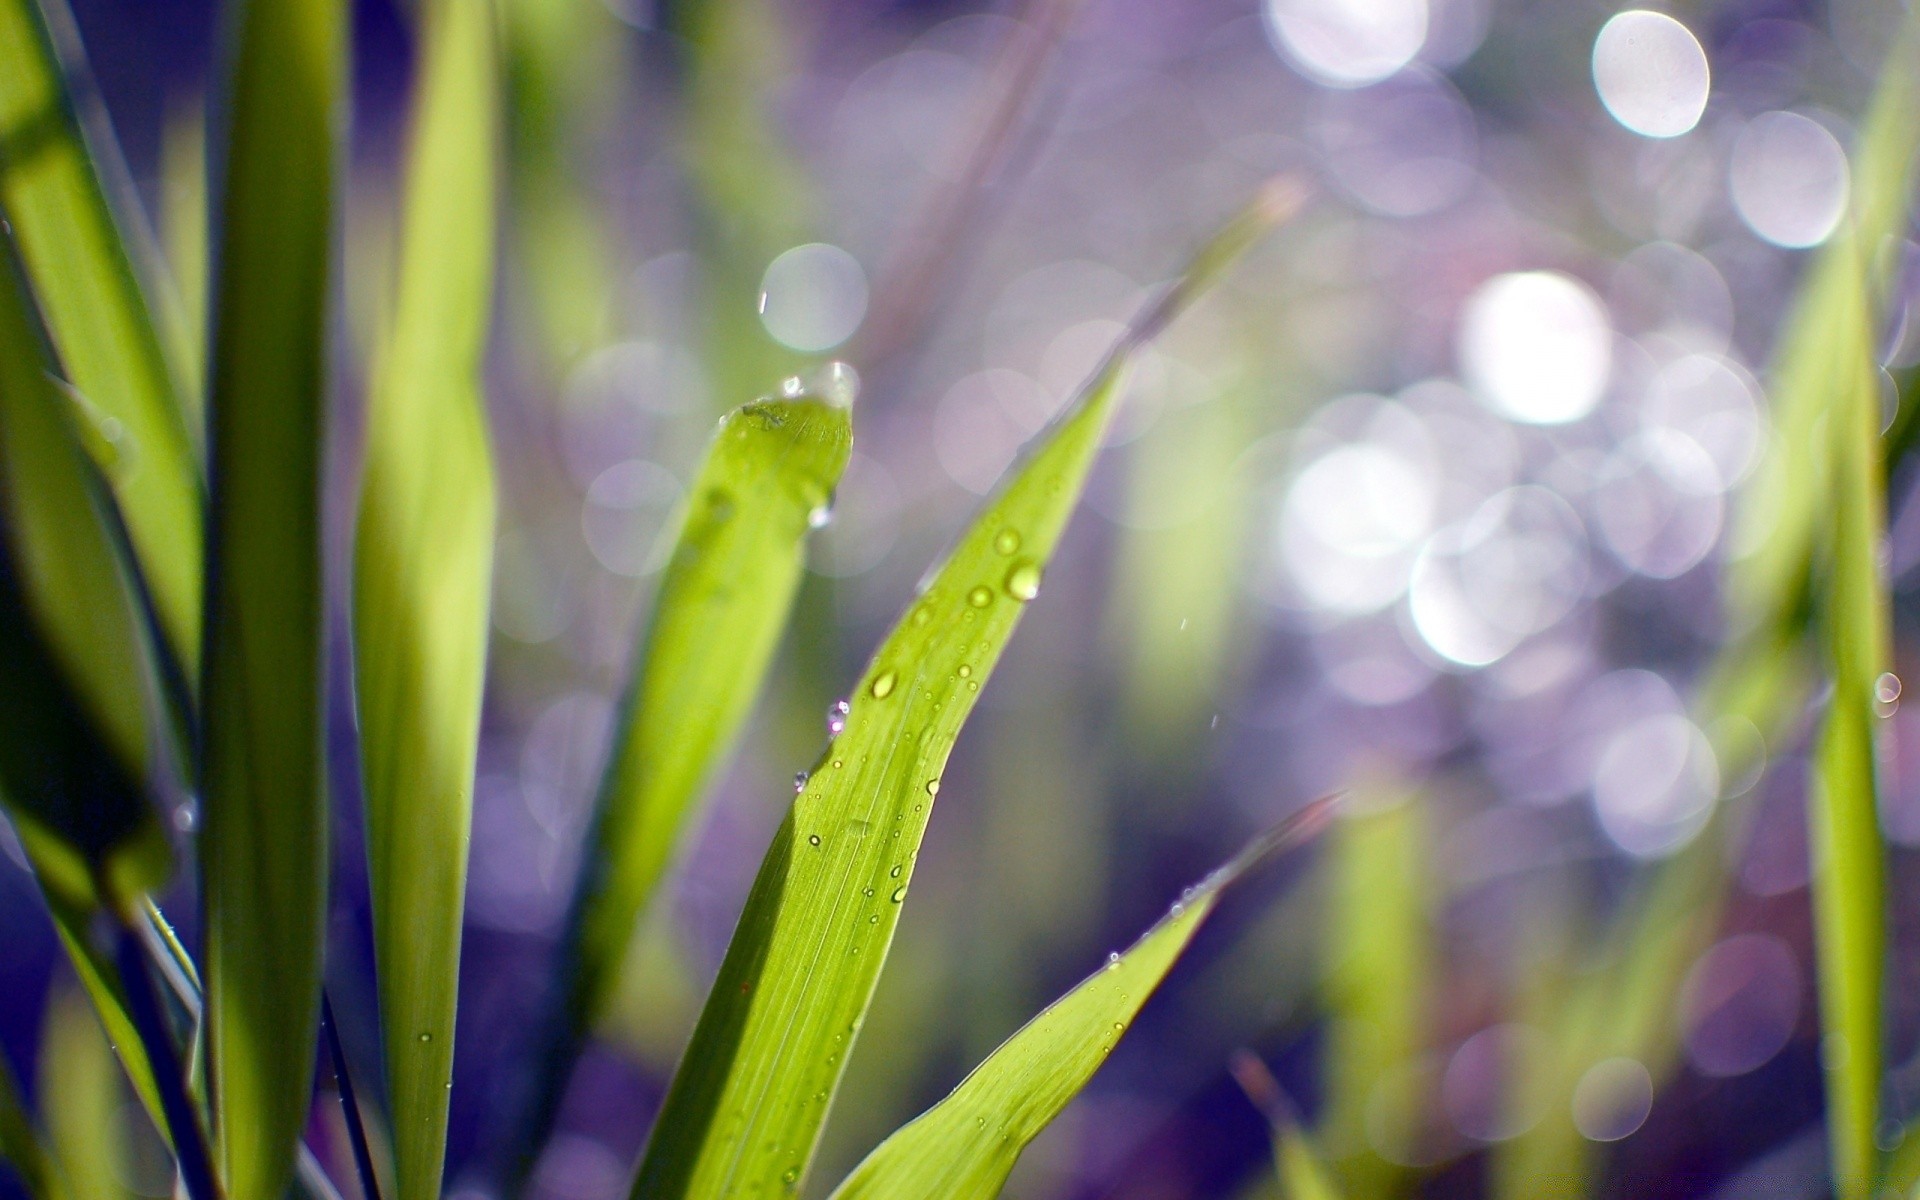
(1657, 503)
(1789, 179)
(1715, 403)
(1651, 73)
(813, 297)
(1537, 347)
(1655, 785)
(1351, 524)
(1612, 1099)
(1510, 570)
(1348, 43)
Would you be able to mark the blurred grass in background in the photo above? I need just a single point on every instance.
(1532, 490)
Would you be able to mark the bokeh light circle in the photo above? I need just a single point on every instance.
(1537, 346)
(1348, 43)
(813, 297)
(1789, 179)
(1651, 73)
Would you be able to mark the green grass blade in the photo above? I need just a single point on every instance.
(73, 735)
(264, 840)
(84, 268)
(21, 1146)
(81, 1101)
(422, 571)
(1379, 985)
(1301, 1172)
(1849, 886)
(723, 602)
(745, 1109)
(966, 1145)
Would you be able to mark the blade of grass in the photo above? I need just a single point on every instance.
(1302, 1173)
(1849, 895)
(1379, 981)
(966, 1145)
(349, 1103)
(182, 1119)
(85, 266)
(21, 1146)
(725, 597)
(73, 741)
(745, 1109)
(423, 560)
(81, 1100)
(264, 839)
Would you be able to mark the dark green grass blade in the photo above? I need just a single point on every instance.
(87, 286)
(73, 742)
(21, 1147)
(423, 560)
(745, 1109)
(965, 1146)
(264, 845)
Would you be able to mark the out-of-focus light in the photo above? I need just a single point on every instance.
(1403, 148)
(1655, 785)
(866, 522)
(1477, 1090)
(624, 518)
(1348, 43)
(1509, 571)
(1536, 346)
(981, 422)
(1714, 402)
(1657, 503)
(1740, 1004)
(1651, 73)
(1354, 518)
(1612, 1099)
(813, 297)
(1789, 179)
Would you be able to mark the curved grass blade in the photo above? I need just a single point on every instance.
(1303, 1174)
(264, 840)
(73, 734)
(81, 1101)
(84, 267)
(423, 560)
(965, 1146)
(724, 599)
(745, 1109)
(21, 1146)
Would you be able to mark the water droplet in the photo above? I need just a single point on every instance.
(838, 384)
(899, 894)
(882, 685)
(792, 1175)
(186, 817)
(1113, 960)
(866, 892)
(837, 717)
(799, 782)
(980, 597)
(966, 671)
(813, 839)
(819, 515)
(1023, 580)
(933, 787)
(425, 1036)
(973, 685)
(1886, 693)
(1008, 541)
(1178, 908)
(874, 919)
(792, 387)
(922, 614)
(837, 764)
(895, 873)
(1119, 1026)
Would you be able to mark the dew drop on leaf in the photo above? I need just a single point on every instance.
(1008, 541)
(882, 685)
(813, 839)
(1023, 580)
(980, 597)
(799, 782)
(899, 894)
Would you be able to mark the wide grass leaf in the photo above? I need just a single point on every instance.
(82, 1105)
(422, 565)
(264, 841)
(56, 164)
(745, 1109)
(965, 1146)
